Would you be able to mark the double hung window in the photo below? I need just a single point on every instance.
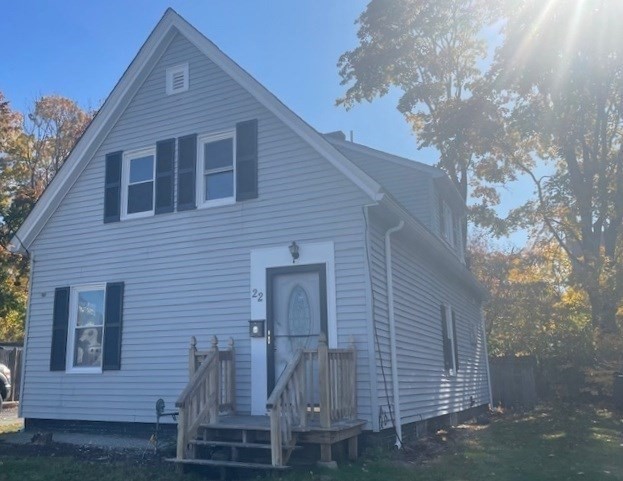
(138, 183)
(216, 182)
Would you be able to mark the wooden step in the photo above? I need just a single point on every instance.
(225, 464)
(232, 444)
(237, 427)
(237, 444)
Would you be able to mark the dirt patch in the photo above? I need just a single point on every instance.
(431, 447)
(83, 453)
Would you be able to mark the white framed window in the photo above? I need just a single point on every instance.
(450, 348)
(216, 169)
(85, 335)
(449, 224)
(177, 79)
(138, 176)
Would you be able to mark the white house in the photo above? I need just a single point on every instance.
(196, 203)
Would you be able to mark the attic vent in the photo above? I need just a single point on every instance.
(177, 79)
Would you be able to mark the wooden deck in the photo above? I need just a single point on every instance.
(313, 402)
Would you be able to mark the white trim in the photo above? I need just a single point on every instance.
(200, 169)
(71, 328)
(26, 336)
(170, 24)
(170, 73)
(262, 259)
(100, 126)
(372, 362)
(125, 182)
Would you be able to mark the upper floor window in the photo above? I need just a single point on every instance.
(138, 183)
(446, 224)
(216, 182)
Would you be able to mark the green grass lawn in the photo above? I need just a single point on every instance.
(551, 443)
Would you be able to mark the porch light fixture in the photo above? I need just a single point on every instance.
(294, 251)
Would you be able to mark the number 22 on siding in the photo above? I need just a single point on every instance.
(259, 295)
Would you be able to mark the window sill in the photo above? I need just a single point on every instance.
(138, 215)
(84, 370)
(217, 202)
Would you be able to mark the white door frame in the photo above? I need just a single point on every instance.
(265, 258)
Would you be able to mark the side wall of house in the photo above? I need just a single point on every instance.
(187, 273)
(420, 287)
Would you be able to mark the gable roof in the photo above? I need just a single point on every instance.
(169, 25)
(400, 166)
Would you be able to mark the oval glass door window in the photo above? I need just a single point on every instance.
(299, 316)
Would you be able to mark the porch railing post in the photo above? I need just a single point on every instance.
(231, 381)
(323, 381)
(192, 357)
(213, 385)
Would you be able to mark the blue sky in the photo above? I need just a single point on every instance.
(79, 49)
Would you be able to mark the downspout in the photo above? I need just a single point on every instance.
(392, 330)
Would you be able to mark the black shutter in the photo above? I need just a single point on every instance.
(59, 329)
(112, 187)
(113, 324)
(246, 160)
(165, 156)
(447, 353)
(186, 167)
(456, 341)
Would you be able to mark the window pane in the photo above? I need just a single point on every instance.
(141, 169)
(88, 347)
(219, 185)
(219, 154)
(90, 308)
(140, 197)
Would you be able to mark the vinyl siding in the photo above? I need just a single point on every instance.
(187, 273)
(426, 390)
(378, 275)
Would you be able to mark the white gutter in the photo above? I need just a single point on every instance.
(392, 331)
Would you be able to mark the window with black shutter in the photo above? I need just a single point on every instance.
(87, 328)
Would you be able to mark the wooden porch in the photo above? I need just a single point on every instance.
(313, 403)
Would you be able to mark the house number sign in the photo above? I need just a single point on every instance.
(257, 295)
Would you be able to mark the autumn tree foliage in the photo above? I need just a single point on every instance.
(433, 54)
(534, 308)
(561, 68)
(33, 148)
(509, 89)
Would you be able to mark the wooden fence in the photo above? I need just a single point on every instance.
(513, 381)
(11, 357)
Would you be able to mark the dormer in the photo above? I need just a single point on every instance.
(449, 216)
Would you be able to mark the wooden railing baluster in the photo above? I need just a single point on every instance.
(209, 392)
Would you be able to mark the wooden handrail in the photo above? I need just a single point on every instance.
(287, 405)
(293, 402)
(209, 392)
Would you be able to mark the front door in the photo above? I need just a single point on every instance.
(296, 314)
